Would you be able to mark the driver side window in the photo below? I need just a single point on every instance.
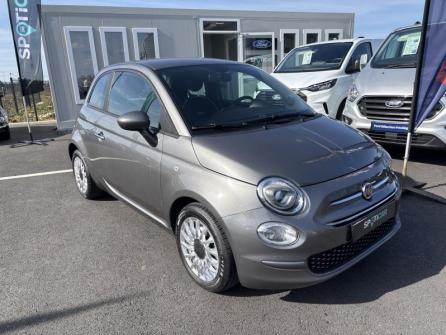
(130, 93)
(362, 50)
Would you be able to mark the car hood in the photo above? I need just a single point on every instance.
(305, 79)
(387, 82)
(307, 153)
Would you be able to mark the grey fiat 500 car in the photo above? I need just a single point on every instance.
(257, 188)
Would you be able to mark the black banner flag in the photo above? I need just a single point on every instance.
(24, 16)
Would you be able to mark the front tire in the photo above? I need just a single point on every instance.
(84, 183)
(204, 249)
(6, 135)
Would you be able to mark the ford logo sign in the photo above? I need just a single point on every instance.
(261, 44)
(394, 103)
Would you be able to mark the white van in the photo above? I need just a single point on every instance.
(380, 100)
(322, 73)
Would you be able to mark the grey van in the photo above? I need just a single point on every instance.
(257, 187)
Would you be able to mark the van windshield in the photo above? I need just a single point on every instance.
(400, 50)
(228, 96)
(318, 57)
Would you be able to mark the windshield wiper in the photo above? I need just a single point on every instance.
(219, 126)
(281, 118)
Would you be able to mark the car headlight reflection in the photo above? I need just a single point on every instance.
(281, 196)
(278, 234)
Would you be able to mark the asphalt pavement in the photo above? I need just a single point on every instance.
(72, 266)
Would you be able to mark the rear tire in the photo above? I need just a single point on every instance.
(84, 183)
(204, 249)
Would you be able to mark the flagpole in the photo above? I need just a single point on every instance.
(414, 109)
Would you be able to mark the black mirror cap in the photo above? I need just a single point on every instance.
(134, 121)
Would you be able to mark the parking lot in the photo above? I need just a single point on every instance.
(71, 266)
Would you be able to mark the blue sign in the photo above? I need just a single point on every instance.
(386, 127)
(262, 44)
(432, 85)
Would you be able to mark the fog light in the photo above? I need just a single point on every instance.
(347, 120)
(278, 234)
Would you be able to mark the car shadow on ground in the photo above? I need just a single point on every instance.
(41, 131)
(416, 253)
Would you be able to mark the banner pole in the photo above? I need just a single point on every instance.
(414, 109)
(27, 120)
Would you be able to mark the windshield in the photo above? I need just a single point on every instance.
(399, 50)
(213, 95)
(318, 57)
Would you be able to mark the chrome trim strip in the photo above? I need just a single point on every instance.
(134, 204)
(376, 186)
(369, 209)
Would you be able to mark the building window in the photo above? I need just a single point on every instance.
(289, 39)
(145, 42)
(114, 45)
(81, 59)
(312, 36)
(334, 34)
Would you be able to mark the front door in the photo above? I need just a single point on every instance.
(131, 167)
(258, 49)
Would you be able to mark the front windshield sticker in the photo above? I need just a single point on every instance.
(411, 45)
(307, 56)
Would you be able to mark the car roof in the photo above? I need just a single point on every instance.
(165, 63)
(417, 25)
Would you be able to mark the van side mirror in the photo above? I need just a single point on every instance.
(138, 121)
(353, 66)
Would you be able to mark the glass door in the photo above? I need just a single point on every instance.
(258, 49)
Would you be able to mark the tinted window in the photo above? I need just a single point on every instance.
(220, 25)
(319, 57)
(210, 95)
(97, 97)
(130, 93)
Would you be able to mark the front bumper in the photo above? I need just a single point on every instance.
(324, 102)
(430, 134)
(261, 266)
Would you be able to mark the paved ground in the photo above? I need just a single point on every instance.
(70, 266)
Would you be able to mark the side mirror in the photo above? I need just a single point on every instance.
(353, 66)
(134, 121)
(138, 121)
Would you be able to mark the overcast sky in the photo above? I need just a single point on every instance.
(374, 18)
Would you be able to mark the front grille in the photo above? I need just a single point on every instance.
(417, 139)
(377, 108)
(331, 259)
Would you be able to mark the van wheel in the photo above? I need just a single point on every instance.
(204, 249)
(85, 184)
(341, 110)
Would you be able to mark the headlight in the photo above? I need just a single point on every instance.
(278, 234)
(326, 85)
(280, 196)
(353, 93)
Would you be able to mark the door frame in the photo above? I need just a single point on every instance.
(202, 31)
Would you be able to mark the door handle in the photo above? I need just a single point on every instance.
(100, 135)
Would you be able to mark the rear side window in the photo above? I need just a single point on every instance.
(130, 93)
(97, 97)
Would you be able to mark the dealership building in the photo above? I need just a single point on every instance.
(81, 40)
